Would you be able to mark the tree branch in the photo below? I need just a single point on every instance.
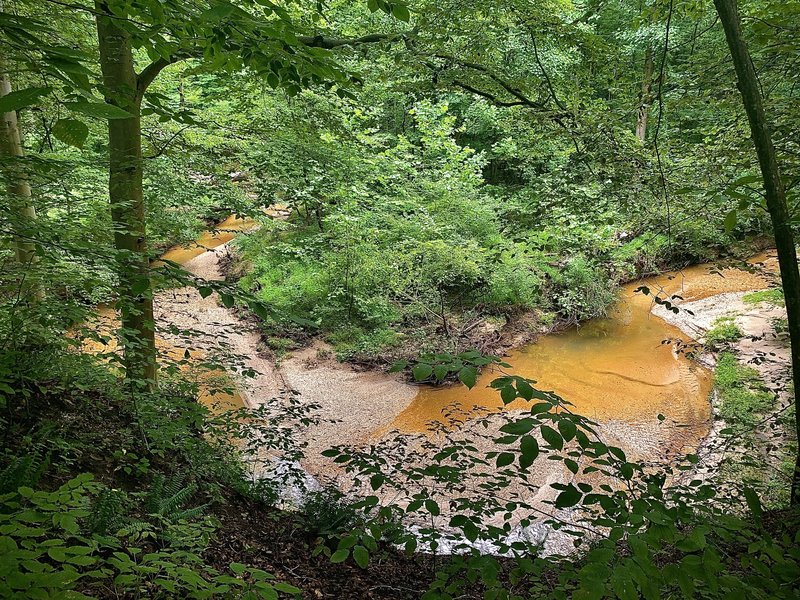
(150, 72)
(319, 41)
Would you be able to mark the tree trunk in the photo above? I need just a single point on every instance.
(19, 190)
(120, 87)
(645, 96)
(775, 195)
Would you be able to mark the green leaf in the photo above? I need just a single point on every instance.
(227, 300)
(468, 376)
(422, 371)
(398, 366)
(440, 372)
(22, 98)
(432, 507)
(508, 394)
(400, 11)
(361, 556)
(71, 131)
(518, 427)
(567, 429)
(504, 459)
(340, 556)
(376, 481)
(525, 389)
(238, 568)
(569, 497)
(753, 502)
(552, 437)
(730, 221)
(530, 450)
(100, 110)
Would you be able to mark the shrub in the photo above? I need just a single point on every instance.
(584, 290)
(326, 513)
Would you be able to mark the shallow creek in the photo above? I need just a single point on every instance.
(612, 369)
(615, 370)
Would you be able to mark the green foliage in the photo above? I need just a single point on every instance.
(657, 539)
(47, 553)
(327, 513)
(724, 330)
(772, 296)
(743, 396)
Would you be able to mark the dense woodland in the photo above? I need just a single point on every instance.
(417, 187)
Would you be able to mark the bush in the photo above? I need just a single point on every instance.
(584, 290)
(327, 513)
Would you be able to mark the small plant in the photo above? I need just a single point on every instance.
(723, 331)
(107, 512)
(22, 471)
(780, 325)
(326, 513)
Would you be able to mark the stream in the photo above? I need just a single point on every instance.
(616, 370)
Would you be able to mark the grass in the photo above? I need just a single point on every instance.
(723, 331)
(772, 296)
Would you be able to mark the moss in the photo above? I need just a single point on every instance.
(723, 331)
(742, 392)
(772, 296)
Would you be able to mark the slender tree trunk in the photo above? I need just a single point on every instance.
(775, 195)
(19, 189)
(120, 84)
(645, 96)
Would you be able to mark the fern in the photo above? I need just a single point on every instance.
(106, 514)
(23, 470)
(167, 499)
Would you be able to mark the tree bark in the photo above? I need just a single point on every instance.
(645, 96)
(775, 195)
(19, 188)
(121, 88)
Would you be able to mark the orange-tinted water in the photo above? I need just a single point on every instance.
(208, 240)
(210, 382)
(613, 368)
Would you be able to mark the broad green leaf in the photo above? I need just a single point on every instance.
(569, 497)
(468, 376)
(22, 98)
(361, 556)
(100, 110)
(567, 429)
(552, 437)
(730, 221)
(422, 371)
(400, 11)
(504, 459)
(71, 131)
(340, 556)
(518, 427)
(530, 451)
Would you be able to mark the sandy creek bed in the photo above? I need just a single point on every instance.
(615, 370)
